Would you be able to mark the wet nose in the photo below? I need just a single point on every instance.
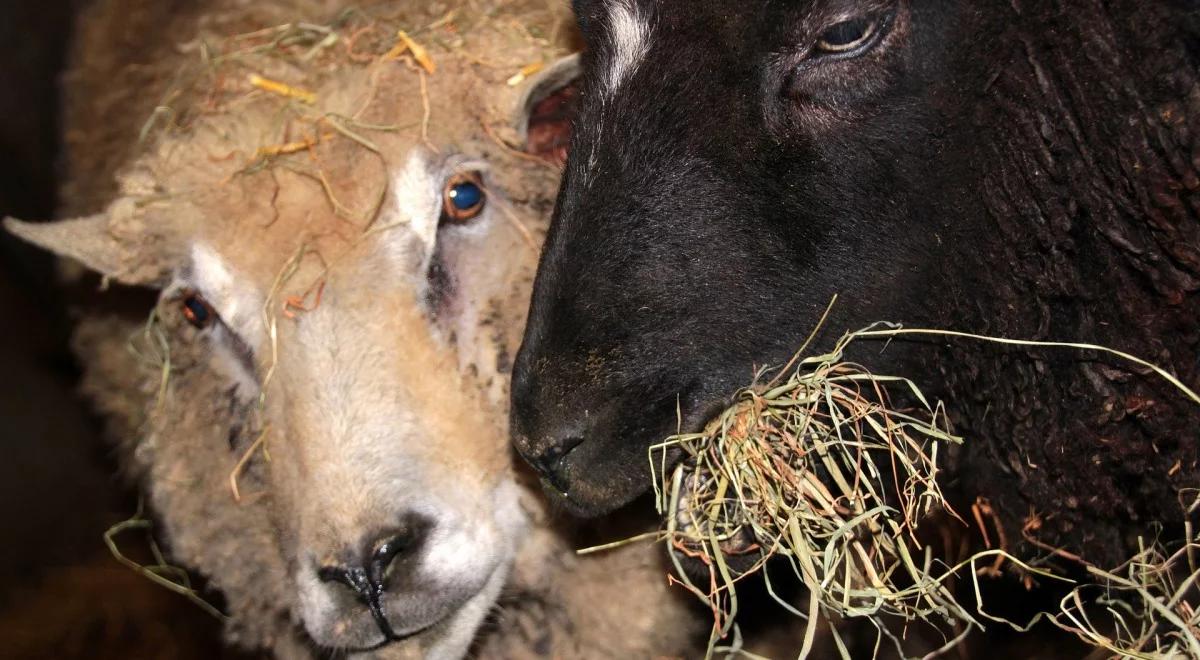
(547, 458)
(380, 563)
(543, 431)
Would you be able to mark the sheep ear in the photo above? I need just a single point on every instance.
(90, 241)
(546, 113)
(85, 240)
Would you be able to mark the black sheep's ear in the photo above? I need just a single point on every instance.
(547, 112)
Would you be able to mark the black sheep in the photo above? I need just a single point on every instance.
(1020, 168)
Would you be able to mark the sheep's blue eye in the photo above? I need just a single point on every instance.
(466, 196)
(463, 198)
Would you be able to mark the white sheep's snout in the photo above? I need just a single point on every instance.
(426, 581)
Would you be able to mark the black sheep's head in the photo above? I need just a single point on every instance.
(734, 166)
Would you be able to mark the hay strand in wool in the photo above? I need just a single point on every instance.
(1148, 608)
(162, 573)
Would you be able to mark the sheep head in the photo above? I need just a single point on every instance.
(342, 284)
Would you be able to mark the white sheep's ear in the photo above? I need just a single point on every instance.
(546, 110)
(91, 241)
(85, 240)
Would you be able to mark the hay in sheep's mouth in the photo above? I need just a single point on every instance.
(822, 469)
(830, 469)
(736, 540)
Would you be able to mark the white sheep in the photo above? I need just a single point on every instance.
(344, 238)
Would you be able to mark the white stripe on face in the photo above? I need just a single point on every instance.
(238, 302)
(630, 33)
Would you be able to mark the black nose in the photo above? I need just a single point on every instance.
(384, 555)
(379, 568)
(547, 459)
(544, 430)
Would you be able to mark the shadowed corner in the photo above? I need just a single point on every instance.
(61, 592)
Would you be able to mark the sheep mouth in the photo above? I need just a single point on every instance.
(704, 522)
(702, 525)
(389, 641)
(373, 624)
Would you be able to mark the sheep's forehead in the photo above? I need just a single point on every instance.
(333, 192)
(279, 237)
(373, 152)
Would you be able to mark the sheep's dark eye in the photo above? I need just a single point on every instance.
(197, 311)
(463, 198)
(847, 35)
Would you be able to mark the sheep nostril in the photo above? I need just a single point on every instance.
(389, 550)
(365, 588)
(353, 577)
(549, 463)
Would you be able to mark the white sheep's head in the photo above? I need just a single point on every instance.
(336, 321)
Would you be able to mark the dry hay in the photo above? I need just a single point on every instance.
(1148, 608)
(160, 572)
(830, 470)
(150, 347)
(822, 471)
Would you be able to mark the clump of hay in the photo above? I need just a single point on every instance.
(831, 469)
(821, 469)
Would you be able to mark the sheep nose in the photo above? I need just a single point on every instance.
(543, 430)
(390, 549)
(379, 567)
(376, 568)
(547, 459)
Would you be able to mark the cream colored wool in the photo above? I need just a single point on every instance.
(205, 158)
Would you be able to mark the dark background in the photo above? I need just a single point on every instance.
(62, 595)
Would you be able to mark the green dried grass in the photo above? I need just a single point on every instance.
(161, 572)
(820, 468)
(151, 349)
(1148, 608)
(824, 472)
